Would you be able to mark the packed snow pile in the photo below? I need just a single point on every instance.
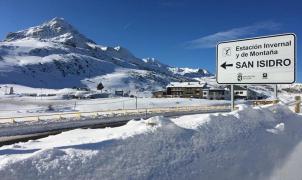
(251, 143)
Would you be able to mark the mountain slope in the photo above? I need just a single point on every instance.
(56, 55)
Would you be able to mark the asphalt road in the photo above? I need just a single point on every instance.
(58, 127)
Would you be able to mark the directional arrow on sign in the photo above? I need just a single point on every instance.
(224, 65)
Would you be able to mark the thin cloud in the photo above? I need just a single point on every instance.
(211, 40)
(127, 26)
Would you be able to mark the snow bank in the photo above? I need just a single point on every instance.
(237, 145)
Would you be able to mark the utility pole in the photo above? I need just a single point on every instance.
(5, 89)
(75, 104)
(135, 102)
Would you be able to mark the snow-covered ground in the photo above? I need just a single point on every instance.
(21, 106)
(251, 143)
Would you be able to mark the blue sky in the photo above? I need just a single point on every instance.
(177, 32)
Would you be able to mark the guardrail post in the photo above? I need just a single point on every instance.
(298, 104)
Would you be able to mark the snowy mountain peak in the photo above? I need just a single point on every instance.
(150, 60)
(189, 72)
(55, 30)
(123, 51)
(58, 22)
(154, 62)
(55, 51)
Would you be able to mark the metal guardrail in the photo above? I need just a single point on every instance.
(110, 113)
(264, 102)
(120, 112)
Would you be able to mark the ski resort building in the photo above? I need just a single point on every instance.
(159, 94)
(240, 92)
(185, 89)
(192, 90)
(205, 91)
(119, 92)
(243, 92)
(215, 93)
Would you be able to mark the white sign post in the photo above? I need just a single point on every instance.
(260, 60)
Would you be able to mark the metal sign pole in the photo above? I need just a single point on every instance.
(232, 98)
(276, 91)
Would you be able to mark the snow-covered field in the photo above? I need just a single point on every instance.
(251, 143)
(20, 105)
